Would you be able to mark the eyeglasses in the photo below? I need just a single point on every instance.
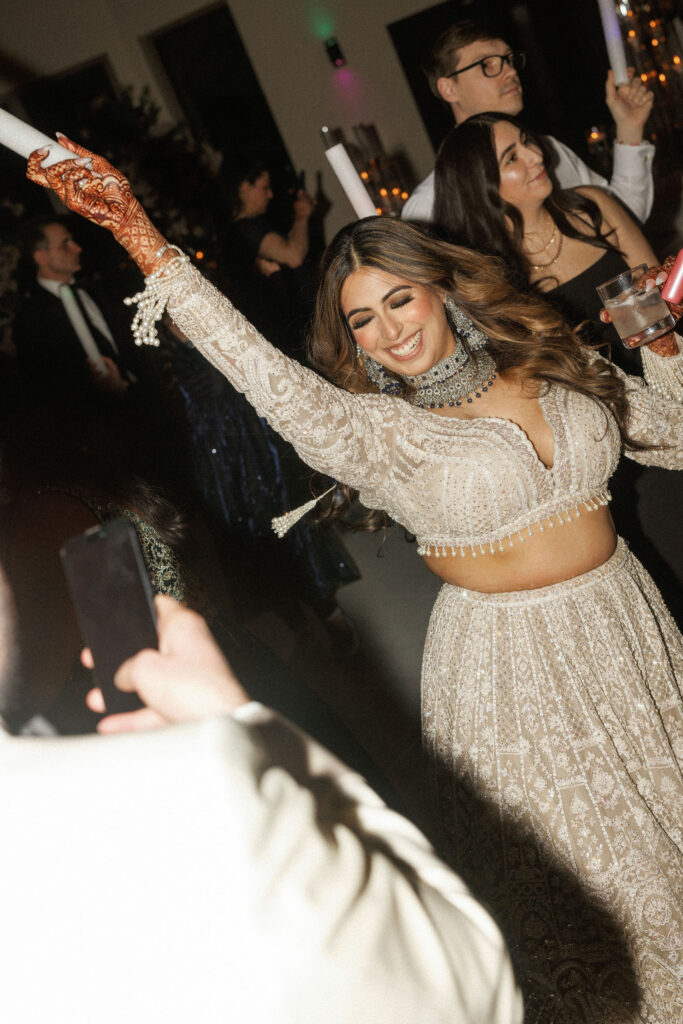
(492, 66)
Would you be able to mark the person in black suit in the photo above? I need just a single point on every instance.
(130, 394)
(49, 352)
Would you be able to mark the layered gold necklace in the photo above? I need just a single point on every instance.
(542, 266)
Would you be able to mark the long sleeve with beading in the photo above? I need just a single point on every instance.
(455, 483)
(349, 437)
(656, 410)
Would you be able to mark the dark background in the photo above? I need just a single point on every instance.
(222, 104)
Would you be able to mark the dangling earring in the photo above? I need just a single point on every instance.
(377, 375)
(462, 325)
(462, 376)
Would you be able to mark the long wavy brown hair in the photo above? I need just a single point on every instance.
(526, 334)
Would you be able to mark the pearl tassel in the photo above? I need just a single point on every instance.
(151, 301)
(281, 524)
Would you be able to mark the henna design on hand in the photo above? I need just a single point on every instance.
(103, 195)
(666, 345)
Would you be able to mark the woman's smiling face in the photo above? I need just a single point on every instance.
(400, 325)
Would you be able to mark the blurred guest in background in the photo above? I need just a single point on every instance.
(45, 332)
(105, 372)
(268, 271)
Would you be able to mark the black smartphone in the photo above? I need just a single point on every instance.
(113, 600)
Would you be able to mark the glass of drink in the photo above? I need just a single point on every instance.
(639, 316)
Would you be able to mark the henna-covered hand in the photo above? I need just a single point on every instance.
(89, 185)
(658, 276)
(665, 345)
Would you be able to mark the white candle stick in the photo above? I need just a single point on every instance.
(613, 40)
(21, 138)
(81, 328)
(355, 190)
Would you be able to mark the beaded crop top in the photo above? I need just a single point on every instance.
(458, 485)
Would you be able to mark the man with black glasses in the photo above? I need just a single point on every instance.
(474, 71)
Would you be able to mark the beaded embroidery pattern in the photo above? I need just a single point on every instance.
(553, 718)
(455, 484)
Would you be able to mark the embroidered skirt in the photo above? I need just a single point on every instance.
(553, 722)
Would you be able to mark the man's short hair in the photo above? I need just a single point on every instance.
(32, 235)
(441, 58)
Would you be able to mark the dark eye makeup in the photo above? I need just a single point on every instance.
(356, 325)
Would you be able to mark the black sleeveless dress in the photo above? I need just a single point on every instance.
(578, 300)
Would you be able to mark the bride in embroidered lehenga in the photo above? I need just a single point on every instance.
(552, 670)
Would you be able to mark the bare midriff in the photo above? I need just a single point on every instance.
(544, 557)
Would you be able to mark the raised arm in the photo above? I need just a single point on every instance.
(346, 436)
(89, 185)
(290, 251)
(632, 158)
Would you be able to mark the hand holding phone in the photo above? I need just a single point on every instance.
(186, 679)
(113, 600)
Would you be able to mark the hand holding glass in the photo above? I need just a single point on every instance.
(639, 315)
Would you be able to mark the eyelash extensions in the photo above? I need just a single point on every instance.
(394, 305)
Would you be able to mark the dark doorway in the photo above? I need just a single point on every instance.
(212, 77)
(65, 102)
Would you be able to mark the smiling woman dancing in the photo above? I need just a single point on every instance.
(552, 670)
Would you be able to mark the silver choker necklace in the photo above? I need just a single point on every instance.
(452, 381)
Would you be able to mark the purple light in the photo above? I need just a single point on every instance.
(347, 82)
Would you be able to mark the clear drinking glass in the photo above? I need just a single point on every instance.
(639, 316)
